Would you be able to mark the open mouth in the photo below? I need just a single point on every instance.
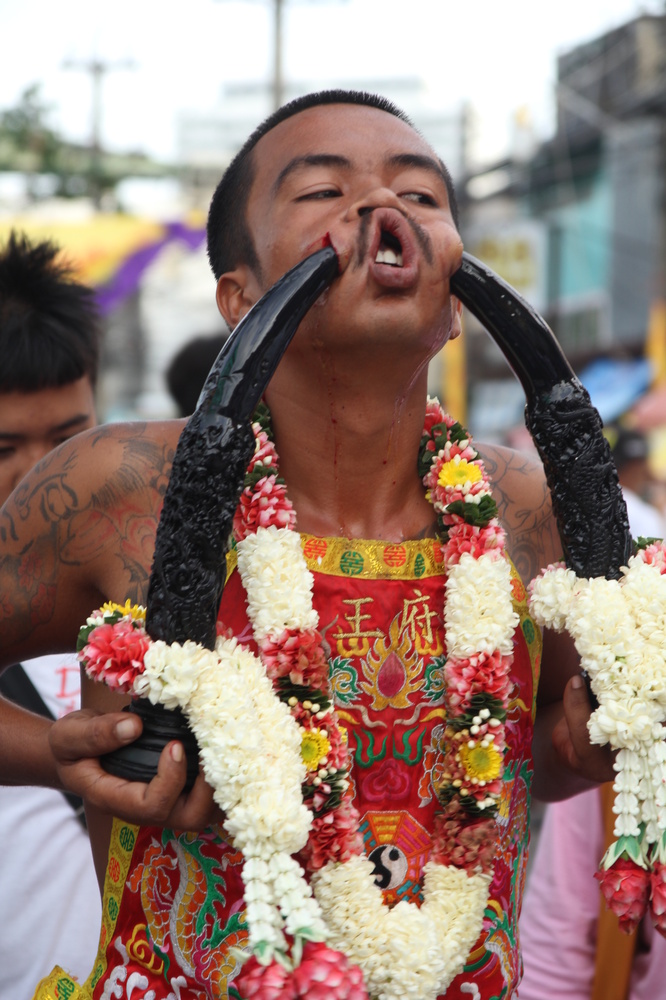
(389, 250)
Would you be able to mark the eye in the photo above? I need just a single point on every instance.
(420, 197)
(320, 194)
(6, 451)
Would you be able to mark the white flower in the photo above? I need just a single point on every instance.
(479, 614)
(277, 581)
(551, 597)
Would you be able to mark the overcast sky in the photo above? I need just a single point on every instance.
(496, 56)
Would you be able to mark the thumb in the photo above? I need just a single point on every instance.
(85, 734)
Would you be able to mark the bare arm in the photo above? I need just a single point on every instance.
(564, 761)
(80, 530)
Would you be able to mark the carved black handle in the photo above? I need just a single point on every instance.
(566, 429)
(193, 535)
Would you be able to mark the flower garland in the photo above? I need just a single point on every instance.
(247, 736)
(619, 629)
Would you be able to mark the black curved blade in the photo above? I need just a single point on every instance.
(565, 427)
(213, 452)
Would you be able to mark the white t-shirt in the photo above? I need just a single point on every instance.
(50, 907)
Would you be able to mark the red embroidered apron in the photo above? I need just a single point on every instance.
(173, 910)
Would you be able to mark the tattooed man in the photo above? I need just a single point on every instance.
(347, 403)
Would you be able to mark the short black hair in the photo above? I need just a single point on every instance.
(189, 368)
(229, 239)
(49, 322)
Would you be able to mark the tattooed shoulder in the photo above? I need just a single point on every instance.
(524, 506)
(81, 528)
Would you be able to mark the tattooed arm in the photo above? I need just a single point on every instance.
(80, 530)
(564, 761)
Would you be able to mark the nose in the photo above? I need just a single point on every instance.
(380, 197)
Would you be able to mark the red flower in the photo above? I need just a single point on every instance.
(658, 896)
(333, 837)
(469, 538)
(114, 653)
(264, 505)
(325, 974)
(265, 982)
(487, 673)
(464, 843)
(265, 452)
(297, 654)
(626, 889)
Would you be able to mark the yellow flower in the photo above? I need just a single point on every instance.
(457, 472)
(481, 762)
(314, 748)
(136, 611)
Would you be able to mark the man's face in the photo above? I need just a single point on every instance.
(367, 182)
(33, 423)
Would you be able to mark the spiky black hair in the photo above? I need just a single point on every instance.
(49, 323)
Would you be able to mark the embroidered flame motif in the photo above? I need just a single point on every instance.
(391, 669)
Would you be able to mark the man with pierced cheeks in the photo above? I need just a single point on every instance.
(347, 404)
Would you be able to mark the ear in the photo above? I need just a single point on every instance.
(456, 318)
(236, 293)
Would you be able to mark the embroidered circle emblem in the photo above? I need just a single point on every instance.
(438, 552)
(390, 866)
(419, 565)
(315, 548)
(351, 563)
(395, 555)
(399, 847)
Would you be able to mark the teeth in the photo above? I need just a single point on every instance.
(389, 257)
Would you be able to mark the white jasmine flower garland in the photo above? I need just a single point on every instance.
(619, 629)
(268, 757)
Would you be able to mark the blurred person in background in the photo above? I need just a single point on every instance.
(49, 346)
(572, 946)
(189, 368)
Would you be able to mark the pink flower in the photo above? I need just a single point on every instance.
(469, 538)
(488, 673)
(333, 837)
(114, 653)
(325, 974)
(265, 982)
(658, 896)
(298, 655)
(654, 555)
(463, 842)
(265, 452)
(434, 414)
(265, 505)
(626, 888)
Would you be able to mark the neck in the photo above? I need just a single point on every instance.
(349, 458)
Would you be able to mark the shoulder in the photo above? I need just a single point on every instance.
(524, 506)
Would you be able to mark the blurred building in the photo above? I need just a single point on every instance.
(579, 225)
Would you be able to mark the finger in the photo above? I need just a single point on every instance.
(135, 801)
(86, 734)
(572, 739)
(160, 802)
(577, 711)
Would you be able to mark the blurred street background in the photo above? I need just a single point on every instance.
(116, 121)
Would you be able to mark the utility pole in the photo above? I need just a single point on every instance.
(97, 70)
(277, 82)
